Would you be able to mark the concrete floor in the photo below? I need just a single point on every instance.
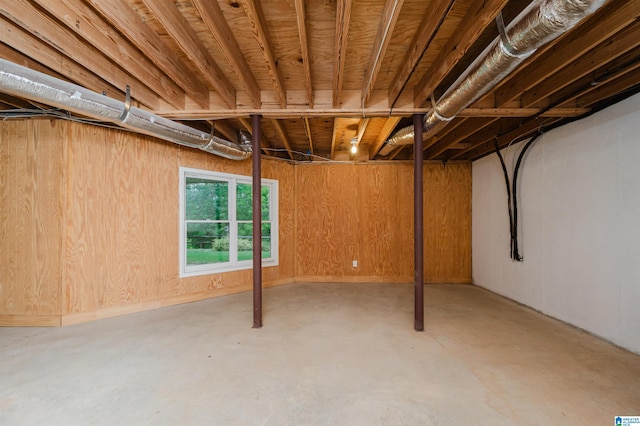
(329, 354)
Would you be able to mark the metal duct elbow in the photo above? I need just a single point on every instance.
(26, 83)
(540, 23)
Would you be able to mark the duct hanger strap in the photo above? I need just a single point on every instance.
(127, 105)
(434, 109)
(505, 43)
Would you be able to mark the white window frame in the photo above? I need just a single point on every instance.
(233, 264)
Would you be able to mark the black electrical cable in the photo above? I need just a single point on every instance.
(506, 179)
(514, 241)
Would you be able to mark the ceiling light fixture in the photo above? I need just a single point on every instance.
(354, 145)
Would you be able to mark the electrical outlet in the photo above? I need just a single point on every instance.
(355, 263)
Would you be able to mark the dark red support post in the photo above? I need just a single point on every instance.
(257, 222)
(418, 221)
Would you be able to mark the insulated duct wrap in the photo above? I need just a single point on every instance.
(23, 82)
(540, 23)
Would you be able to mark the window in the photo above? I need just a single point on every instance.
(216, 230)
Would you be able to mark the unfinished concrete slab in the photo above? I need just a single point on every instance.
(328, 354)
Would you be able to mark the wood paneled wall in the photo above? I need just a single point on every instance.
(31, 221)
(89, 223)
(364, 212)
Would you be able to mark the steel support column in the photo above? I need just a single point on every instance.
(418, 221)
(257, 221)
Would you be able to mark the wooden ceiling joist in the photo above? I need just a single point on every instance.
(282, 134)
(569, 48)
(307, 129)
(628, 63)
(506, 131)
(386, 130)
(214, 19)
(258, 25)
(475, 21)
(461, 133)
(125, 20)
(383, 37)
(304, 50)
(433, 17)
(605, 52)
(521, 112)
(178, 28)
(92, 28)
(264, 143)
(611, 88)
(343, 18)
(67, 43)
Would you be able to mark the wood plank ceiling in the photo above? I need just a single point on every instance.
(322, 72)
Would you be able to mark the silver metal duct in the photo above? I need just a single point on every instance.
(540, 23)
(26, 83)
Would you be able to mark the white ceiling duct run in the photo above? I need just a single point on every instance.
(540, 23)
(26, 83)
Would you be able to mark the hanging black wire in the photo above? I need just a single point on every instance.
(512, 195)
(514, 243)
(509, 204)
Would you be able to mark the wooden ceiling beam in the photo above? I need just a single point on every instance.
(185, 37)
(49, 58)
(433, 17)
(386, 130)
(20, 57)
(304, 50)
(91, 27)
(461, 133)
(603, 53)
(610, 88)
(627, 63)
(396, 151)
(68, 44)
(258, 25)
(307, 129)
(520, 112)
(343, 18)
(508, 131)
(478, 17)
(282, 134)
(264, 143)
(383, 37)
(225, 129)
(214, 19)
(555, 56)
(126, 21)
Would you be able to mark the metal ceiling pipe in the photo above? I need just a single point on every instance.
(540, 23)
(26, 83)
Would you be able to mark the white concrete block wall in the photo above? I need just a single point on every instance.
(579, 217)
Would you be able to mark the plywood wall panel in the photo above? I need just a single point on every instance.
(31, 224)
(123, 223)
(364, 212)
(90, 223)
(447, 204)
(325, 239)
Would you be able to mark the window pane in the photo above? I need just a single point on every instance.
(207, 243)
(245, 241)
(206, 199)
(265, 202)
(244, 202)
(266, 240)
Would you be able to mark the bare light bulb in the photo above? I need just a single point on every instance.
(354, 148)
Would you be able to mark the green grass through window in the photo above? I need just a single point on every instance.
(205, 256)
